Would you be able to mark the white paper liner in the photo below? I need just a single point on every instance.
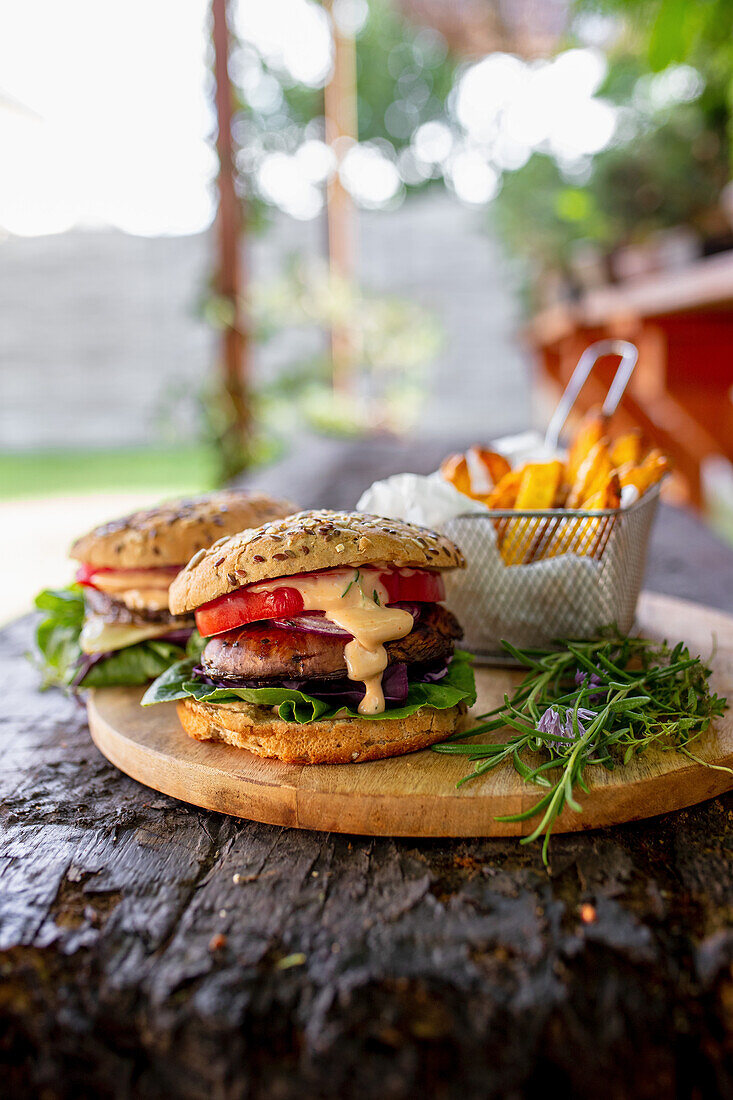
(529, 605)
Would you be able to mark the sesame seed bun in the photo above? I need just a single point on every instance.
(330, 741)
(304, 543)
(172, 532)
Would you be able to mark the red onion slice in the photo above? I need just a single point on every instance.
(315, 623)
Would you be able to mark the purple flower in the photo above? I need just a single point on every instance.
(586, 716)
(553, 724)
(581, 677)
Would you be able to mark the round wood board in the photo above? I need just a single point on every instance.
(415, 795)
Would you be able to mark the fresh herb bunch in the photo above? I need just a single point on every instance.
(591, 703)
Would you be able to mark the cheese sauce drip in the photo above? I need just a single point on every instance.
(354, 600)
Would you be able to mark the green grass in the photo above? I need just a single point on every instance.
(45, 473)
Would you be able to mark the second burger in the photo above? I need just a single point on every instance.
(113, 627)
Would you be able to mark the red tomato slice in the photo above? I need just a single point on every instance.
(413, 585)
(243, 606)
(86, 573)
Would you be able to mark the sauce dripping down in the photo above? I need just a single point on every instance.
(354, 600)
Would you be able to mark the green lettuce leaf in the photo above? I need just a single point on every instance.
(296, 706)
(195, 645)
(57, 642)
(57, 635)
(133, 665)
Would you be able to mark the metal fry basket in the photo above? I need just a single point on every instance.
(580, 571)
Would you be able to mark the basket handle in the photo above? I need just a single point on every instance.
(628, 353)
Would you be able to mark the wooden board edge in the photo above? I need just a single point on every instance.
(411, 816)
(275, 803)
(285, 804)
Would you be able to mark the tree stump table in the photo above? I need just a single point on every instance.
(150, 949)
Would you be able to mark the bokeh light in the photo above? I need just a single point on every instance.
(472, 179)
(282, 182)
(511, 107)
(294, 37)
(135, 153)
(370, 176)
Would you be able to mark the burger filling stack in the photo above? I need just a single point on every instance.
(325, 640)
(114, 626)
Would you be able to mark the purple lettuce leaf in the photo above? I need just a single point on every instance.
(341, 691)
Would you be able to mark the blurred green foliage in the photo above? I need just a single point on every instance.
(669, 32)
(667, 164)
(392, 343)
(665, 168)
(388, 334)
(541, 215)
(404, 76)
(672, 31)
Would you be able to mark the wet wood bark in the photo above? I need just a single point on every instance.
(150, 949)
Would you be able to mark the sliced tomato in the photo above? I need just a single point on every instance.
(85, 574)
(242, 607)
(245, 606)
(413, 585)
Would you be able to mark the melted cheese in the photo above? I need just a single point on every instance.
(348, 600)
(138, 589)
(145, 599)
(98, 636)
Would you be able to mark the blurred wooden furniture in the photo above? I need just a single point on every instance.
(682, 322)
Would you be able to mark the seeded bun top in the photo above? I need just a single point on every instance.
(172, 532)
(303, 543)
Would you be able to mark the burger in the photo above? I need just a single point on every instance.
(324, 640)
(113, 626)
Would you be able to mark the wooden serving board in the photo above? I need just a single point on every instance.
(415, 795)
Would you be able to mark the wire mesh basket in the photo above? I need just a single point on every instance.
(534, 577)
(570, 574)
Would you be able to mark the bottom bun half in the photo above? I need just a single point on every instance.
(330, 741)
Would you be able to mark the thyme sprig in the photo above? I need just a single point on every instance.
(589, 704)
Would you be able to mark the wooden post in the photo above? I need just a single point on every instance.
(229, 226)
(341, 129)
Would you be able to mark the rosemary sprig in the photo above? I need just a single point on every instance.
(590, 704)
